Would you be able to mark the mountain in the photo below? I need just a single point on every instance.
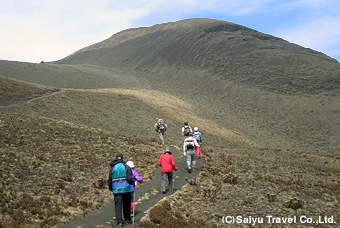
(216, 49)
(268, 90)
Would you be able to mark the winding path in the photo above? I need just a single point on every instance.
(104, 217)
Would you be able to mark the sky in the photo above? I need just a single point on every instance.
(49, 30)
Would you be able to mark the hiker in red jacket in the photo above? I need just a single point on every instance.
(166, 161)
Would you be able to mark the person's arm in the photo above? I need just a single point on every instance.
(137, 177)
(160, 161)
(196, 143)
(173, 164)
(110, 179)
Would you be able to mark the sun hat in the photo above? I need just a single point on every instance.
(167, 151)
(130, 163)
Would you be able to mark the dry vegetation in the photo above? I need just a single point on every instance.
(13, 91)
(254, 183)
(51, 170)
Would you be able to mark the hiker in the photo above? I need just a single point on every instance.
(186, 130)
(160, 127)
(120, 180)
(189, 151)
(136, 177)
(198, 137)
(166, 161)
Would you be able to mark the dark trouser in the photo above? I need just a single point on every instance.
(132, 197)
(123, 201)
(167, 177)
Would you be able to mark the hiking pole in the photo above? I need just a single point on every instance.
(133, 212)
(141, 191)
(173, 181)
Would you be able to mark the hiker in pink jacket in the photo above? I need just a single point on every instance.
(136, 177)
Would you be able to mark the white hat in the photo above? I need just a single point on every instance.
(195, 128)
(130, 163)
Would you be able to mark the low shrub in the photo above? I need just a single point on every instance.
(294, 203)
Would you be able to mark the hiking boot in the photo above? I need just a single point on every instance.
(189, 169)
(164, 191)
(120, 224)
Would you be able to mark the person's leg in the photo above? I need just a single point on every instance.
(170, 181)
(192, 155)
(132, 197)
(132, 200)
(118, 207)
(198, 151)
(127, 206)
(164, 177)
(193, 160)
(188, 159)
(161, 137)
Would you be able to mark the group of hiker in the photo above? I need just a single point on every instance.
(122, 176)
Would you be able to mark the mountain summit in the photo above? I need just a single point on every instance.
(228, 51)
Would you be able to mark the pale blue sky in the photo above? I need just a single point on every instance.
(49, 30)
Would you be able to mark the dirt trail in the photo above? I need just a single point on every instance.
(150, 195)
(19, 101)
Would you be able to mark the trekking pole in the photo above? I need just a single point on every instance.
(173, 181)
(141, 191)
(133, 213)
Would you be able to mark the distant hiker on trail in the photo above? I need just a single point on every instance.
(120, 181)
(198, 137)
(189, 151)
(166, 161)
(161, 127)
(186, 130)
(135, 177)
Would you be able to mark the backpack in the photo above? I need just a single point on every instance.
(187, 130)
(190, 144)
(197, 136)
(161, 125)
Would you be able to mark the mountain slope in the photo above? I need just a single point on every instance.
(227, 51)
(262, 86)
(268, 90)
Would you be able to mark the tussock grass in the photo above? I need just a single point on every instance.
(265, 186)
(52, 170)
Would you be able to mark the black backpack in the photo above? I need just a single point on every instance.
(187, 130)
(190, 144)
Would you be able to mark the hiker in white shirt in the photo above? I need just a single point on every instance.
(189, 151)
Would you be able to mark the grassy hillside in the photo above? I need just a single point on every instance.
(69, 76)
(56, 145)
(13, 91)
